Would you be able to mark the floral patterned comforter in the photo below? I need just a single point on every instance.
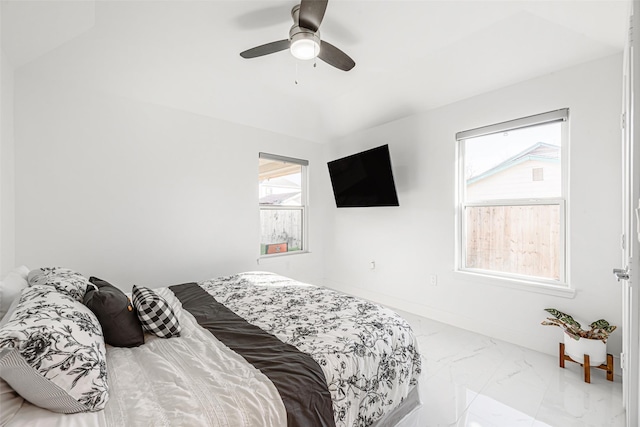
(368, 353)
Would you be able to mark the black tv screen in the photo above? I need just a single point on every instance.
(364, 179)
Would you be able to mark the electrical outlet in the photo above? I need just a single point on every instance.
(372, 265)
(434, 280)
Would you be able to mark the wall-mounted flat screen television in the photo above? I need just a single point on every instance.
(364, 179)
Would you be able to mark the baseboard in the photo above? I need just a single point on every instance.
(493, 330)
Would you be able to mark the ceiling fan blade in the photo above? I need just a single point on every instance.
(334, 56)
(266, 49)
(311, 13)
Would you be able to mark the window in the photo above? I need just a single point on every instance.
(283, 204)
(512, 199)
(537, 174)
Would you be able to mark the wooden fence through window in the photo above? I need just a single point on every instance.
(514, 239)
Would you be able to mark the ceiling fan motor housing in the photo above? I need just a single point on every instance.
(305, 43)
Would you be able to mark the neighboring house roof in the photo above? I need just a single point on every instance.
(540, 151)
(280, 182)
(278, 199)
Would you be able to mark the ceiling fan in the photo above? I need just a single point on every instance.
(304, 38)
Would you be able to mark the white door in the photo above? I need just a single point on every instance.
(630, 279)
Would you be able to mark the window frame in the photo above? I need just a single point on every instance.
(536, 283)
(304, 204)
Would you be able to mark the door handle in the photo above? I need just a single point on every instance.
(621, 274)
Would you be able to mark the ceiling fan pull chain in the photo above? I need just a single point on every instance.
(296, 79)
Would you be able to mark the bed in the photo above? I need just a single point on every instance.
(254, 349)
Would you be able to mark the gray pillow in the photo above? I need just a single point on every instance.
(114, 310)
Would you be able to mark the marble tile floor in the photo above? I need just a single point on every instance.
(471, 380)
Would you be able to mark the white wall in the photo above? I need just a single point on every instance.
(7, 178)
(141, 194)
(138, 193)
(411, 242)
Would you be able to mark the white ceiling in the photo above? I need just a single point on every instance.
(410, 55)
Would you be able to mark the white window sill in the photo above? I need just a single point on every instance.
(523, 285)
(275, 258)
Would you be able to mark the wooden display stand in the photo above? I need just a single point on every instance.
(587, 368)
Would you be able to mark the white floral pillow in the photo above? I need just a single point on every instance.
(63, 280)
(53, 354)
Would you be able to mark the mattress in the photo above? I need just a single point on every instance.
(244, 338)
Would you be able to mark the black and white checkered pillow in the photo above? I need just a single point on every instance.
(155, 313)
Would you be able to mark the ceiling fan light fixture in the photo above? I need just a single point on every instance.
(305, 45)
